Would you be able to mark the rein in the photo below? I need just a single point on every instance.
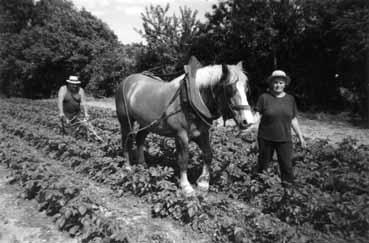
(233, 107)
(154, 122)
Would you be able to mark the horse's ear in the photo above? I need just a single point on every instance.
(224, 69)
(224, 72)
(192, 66)
(194, 63)
(239, 64)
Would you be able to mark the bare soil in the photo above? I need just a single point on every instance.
(21, 222)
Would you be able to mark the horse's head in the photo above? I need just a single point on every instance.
(235, 86)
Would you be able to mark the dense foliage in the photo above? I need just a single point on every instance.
(323, 45)
(44, 42)
(169, 39)
(328, 203)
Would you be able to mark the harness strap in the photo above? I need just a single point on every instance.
(187, 105)
(161, 118)
(193, 91)
(240, 107)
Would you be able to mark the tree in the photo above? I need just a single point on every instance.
(57, 41)
(110, 68)
(352, 26)
(168, 38)
(15, 15)
(259, 32)
(314, 41)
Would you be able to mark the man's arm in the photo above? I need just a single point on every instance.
(61, 94)
(83, 102)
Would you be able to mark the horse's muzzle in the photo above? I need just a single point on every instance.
(243, 124)
(241, 121)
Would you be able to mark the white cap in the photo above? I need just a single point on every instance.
(73, 80)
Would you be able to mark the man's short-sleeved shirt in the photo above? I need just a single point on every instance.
(276, 116)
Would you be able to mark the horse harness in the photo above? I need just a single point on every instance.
(190, 108)
(228, 110)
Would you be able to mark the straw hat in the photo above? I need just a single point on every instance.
(279, 74)
(73, 80)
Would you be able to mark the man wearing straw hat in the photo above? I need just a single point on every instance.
(71, 98)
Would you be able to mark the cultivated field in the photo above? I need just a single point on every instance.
(84, 188)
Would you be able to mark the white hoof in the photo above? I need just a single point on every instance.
(203, 185)
(187, 190)
(128, 167)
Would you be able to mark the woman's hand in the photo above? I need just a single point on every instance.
(296, 128)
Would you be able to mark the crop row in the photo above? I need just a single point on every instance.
(155, 184)
(39, 110)
(89, 168)
(330, 194)
(59, 193)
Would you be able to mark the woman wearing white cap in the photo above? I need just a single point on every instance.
(71, 97)
(277, 112)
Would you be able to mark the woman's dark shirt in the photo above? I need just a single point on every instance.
(276, 116)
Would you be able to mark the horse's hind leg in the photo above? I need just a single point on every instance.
(126, 142)
(182, 152)
(140, 143)
(204, 144)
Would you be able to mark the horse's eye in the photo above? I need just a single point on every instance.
(231, 90)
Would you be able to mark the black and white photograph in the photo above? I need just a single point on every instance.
(184, 121)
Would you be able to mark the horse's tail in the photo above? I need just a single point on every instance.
(121, 102)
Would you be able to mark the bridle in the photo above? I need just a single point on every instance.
(229, 106)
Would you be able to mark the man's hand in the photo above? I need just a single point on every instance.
(87, 117)
(63, 118)
(302, 142)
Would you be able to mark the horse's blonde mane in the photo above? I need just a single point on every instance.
(208, 75)
(236, 72)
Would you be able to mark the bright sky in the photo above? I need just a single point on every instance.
(123, 16)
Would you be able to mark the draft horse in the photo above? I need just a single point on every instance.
(168, 109)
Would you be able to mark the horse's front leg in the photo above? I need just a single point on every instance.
(182, 153)
(204, 144)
